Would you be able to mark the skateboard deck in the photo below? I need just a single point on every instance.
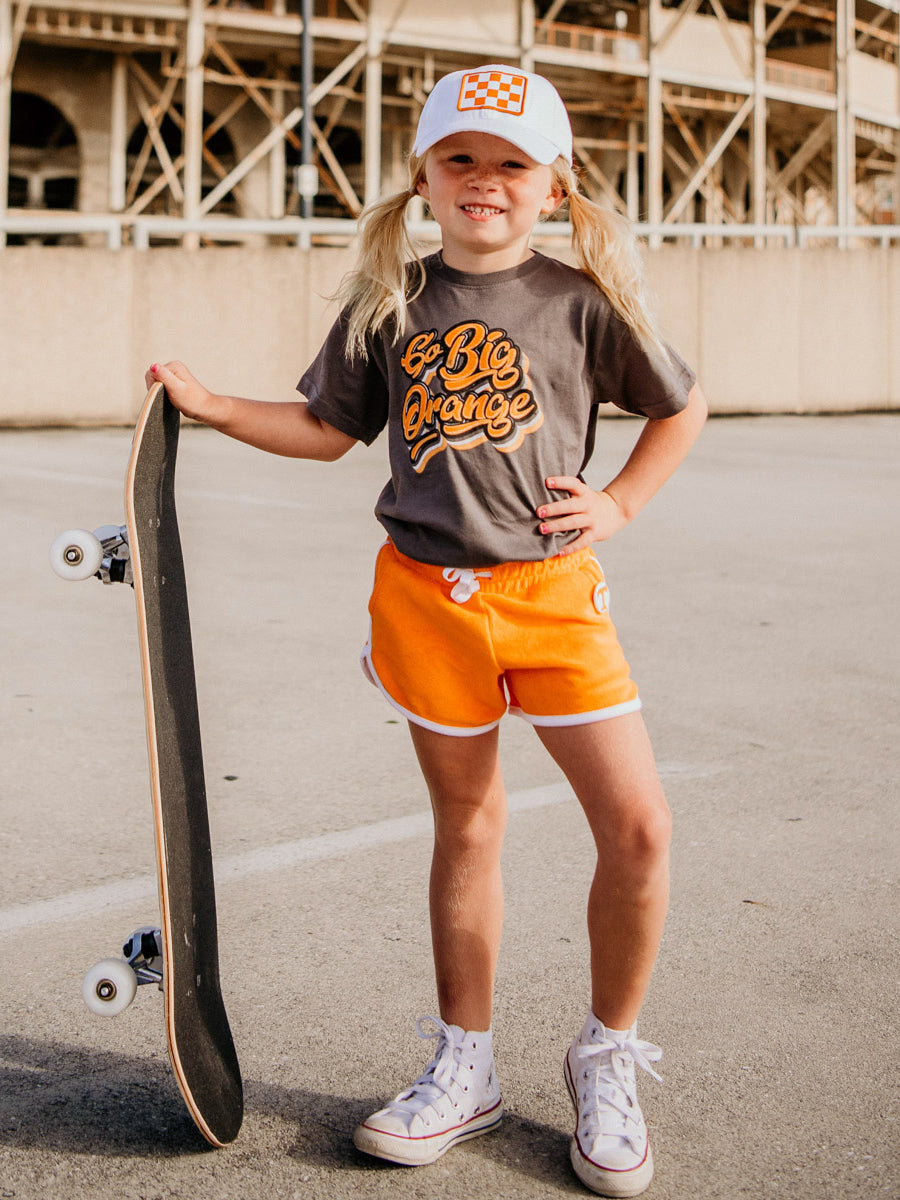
(200, 1044)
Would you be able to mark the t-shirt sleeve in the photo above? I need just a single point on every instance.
(351, 395)
(642, 382)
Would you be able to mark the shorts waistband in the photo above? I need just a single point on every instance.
(505, 576)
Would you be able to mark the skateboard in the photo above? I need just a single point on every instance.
(181, 954)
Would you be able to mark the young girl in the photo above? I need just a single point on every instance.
(487, 363)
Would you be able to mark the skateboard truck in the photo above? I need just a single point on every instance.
(144, 953)
(110, 986)
(78, 554)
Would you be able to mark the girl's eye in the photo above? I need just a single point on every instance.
(461, 158)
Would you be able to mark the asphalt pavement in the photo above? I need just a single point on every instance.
(757, 601)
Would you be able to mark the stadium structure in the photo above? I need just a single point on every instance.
(167, 122)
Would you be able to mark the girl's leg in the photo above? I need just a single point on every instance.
(458, 1095)
(611, 768)
(466, 890)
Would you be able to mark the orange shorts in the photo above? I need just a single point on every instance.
(454, 649)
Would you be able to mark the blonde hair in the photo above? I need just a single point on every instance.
(608, 253)
(390, 273)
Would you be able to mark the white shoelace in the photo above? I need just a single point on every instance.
(440, 1074)
(466, 581)
(610, 1086)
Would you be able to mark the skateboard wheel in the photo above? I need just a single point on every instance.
(109, 987)
(76, 554)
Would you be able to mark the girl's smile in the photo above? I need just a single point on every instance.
(479, 211)
(486, 195)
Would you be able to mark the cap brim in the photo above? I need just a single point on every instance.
(541, 149)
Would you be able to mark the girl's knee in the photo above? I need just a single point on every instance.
(639, 833)
(470, 832)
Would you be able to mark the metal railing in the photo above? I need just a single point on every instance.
(797, 75)
(613, 43)
(116, 230)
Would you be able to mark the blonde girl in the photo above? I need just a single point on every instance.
(486, 363)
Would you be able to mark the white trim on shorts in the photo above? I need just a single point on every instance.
(582, 718)
(368, 668)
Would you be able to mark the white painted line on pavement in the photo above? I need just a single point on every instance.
(49, 475)
(73, 906)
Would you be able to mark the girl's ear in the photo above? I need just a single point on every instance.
(422, 187)
(555, 197)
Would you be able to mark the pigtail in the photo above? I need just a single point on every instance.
(607, 252)
(389, 271)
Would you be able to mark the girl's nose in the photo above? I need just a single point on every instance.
(482, 176)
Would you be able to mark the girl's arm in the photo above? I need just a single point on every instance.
(661, 447)
(289, 429)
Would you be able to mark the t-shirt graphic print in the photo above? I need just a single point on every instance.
(466, 386)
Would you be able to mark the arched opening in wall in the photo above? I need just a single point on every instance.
(155, 179)
(44, 159)
(331, 201)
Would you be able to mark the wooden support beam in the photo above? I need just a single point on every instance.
(844, 133)
(807, 151)
(596, 174)
(716, 152)
(6, 69)
(875, 31)
(151, 122)
(526, 34)
(776, 187)
(711, 189)
(344, 186)
(373, 115)
(192, 135)
(259, 98)
(760, 124)
(280, 130)
(153, 89)
(549, 17)
(653, 123)
(21, 17)
(164, 100)
(343, 97)
(118, 133)
(786, 10)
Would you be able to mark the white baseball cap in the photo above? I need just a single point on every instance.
(524, 108)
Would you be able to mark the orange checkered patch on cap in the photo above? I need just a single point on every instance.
(493, 89)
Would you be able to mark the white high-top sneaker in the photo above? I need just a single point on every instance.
(456, 1098)
(610, 1150)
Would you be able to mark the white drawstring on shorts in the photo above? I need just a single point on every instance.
(465, 581)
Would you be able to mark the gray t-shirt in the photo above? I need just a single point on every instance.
(493, 387)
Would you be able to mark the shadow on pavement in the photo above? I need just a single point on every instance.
(56, 1096)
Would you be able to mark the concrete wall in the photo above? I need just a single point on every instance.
(768, 331)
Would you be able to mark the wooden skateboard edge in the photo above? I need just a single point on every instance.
(153, 754)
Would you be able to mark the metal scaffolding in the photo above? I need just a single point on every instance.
(145, 121)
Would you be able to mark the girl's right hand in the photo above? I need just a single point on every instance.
(186, 393)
